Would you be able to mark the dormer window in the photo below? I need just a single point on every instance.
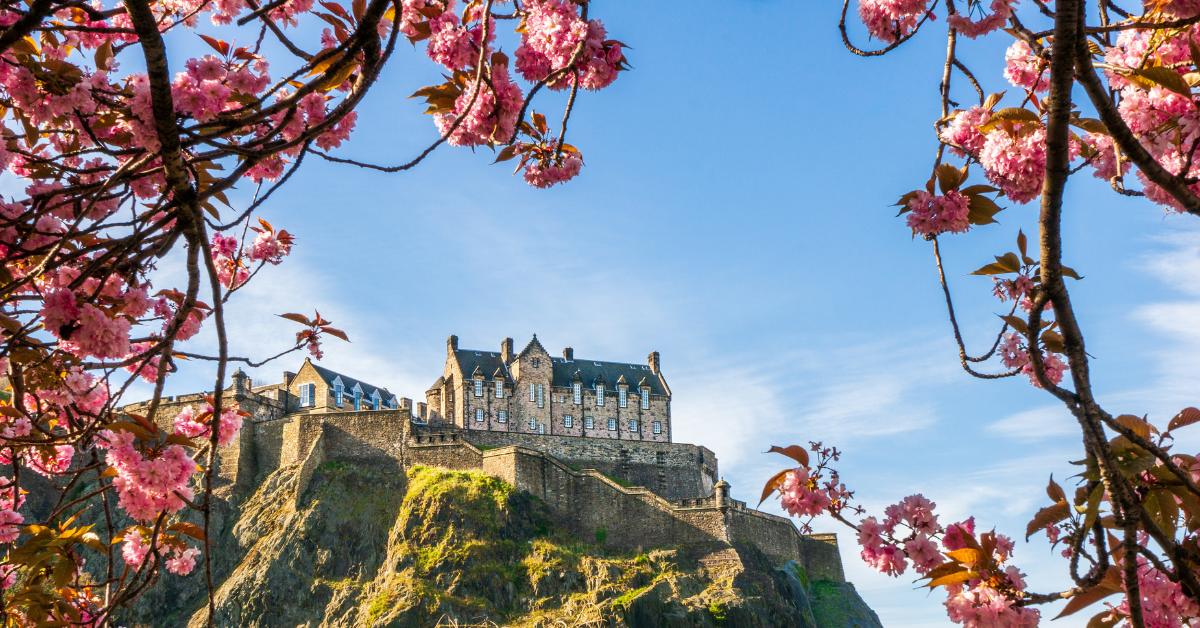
(599, 394)
(622, 396)
(374, 404)
(338, 391)
(578, 393)
(499, 389)
(479, 387)
(645, 398)
(357, 400)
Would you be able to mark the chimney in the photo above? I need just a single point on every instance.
(569, 354)
(653, 359)
(288, 376)
(506, 350)
(451, 344)
(405, 402)
(422, 410)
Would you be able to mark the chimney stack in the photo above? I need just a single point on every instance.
(422, 411)
(653, 359)
(451, 344)
(569, 354)
(506, 351)
(288, 376)
(406, 403)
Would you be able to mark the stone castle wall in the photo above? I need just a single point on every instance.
(673, 470)
(573, 475)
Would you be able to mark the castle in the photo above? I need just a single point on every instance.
(590, 438)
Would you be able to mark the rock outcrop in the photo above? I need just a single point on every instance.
(374, 548)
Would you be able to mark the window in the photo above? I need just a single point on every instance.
(308, 395)
(567, 421)
(535, 362)
(612, 424)
(645, 398)
(657, 427)
(502, 417)
(532, 423)
(660, 457)
(599, 394)
(589, 422)
(338, 390)
(479, 415)
(622, 394)
(357, 400)
(532, 392)
(479, 388)
(499, 389)
(633, 426)
(541, 429)
(540, 399)
(375, 404)
(578, 393)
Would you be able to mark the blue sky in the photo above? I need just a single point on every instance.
(734, 214)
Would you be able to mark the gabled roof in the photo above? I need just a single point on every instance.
(591, 371)
(529, 347)
(486, 364)
(349, 382)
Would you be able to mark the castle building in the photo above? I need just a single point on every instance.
(315, 388)
(532, 392)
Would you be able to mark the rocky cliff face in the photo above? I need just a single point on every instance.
(369, 547)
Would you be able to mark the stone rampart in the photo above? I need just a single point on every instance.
(673, 470)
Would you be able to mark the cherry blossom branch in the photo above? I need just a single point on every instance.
(962, 350)
(883, 51)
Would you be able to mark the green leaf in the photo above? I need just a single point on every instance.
(1093, 507)
(992, 100)
(978, 188)
(948, 177)
(981, 209)
(1069, 272)
(1010, 114)
(1052, 341)
(1017, 323)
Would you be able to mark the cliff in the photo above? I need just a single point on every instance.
(365, 546)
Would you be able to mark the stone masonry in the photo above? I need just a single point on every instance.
(643, 492)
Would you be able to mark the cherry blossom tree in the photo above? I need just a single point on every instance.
(1129, 527)
(122, 156)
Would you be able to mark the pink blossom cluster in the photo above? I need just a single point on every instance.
(931, 214)
(889, 552)
(228, 263)
(1015, 162)
(493, 116)
(190, 424)
(1001, 10)
(268, 248)
(963, 133)
(890, 20)
(10, 519)
(544, 175)
(145, 486)
(136, 547)
(800, 495)
(977, 605)
(85, 330)
(1025, 69)
(1014, 354)
(554, 34)
(1164, 603)
(455, 45)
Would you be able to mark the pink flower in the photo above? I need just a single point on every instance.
(1015, 162)
(49, 464)
(984, 607)
(887, 559)
(939, 214)
(149, 371)
(59, 310)
(493, 117)
(99, 335)
(953, 539)
(9, 520)
(798, 499)
(962, 131)
(182, 563)
(870, 533)
(224, 246)
(1025, 69)
(135, 549)
(545, 175)
(1001, 10)
(924, 553)
(267, 248)
(890, 20)
(187, 423)
(451, 44)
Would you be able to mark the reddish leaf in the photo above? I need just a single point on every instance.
(961, 576)
(335, 332)
(337, 9)
(141, 420)
(299, 318)
(1139, 426)
(218, 45)
(1054, 491)
(1187, 416)
(772, 484)
(190, 529)
(1094, 594)
(1047, 516)
(795, 452)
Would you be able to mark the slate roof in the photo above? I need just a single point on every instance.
(591, 370)
(487, 362)
(349, 383)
